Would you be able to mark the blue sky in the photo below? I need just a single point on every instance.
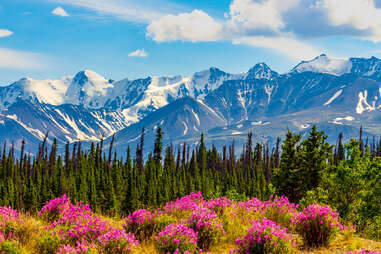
(136, 38)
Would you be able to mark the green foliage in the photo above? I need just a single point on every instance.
(10, 247)
(48, 243)
(306, 170)
(163, 220)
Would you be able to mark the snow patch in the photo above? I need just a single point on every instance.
(185, 128)
(269, 90)
(339, 120)
(363, 105)
(196, 117)
(337, 94)
(324, 64)
(257, 123)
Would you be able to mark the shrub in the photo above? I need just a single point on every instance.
(48, 244)
(265, 236)
(8, 222)
(280, 210)
(141, 223)
(218, 205)
(117, 241)
(176, 239)
(162, 220)
(80, 247)
(53, 208)
(23, 229)
(364, 252)
(183, 207)
(10, 247)
(317, 225)
(207, 224)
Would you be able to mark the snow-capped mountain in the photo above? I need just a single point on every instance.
(325, 64)
(323, 91)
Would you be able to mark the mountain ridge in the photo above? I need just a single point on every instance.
(87, 106)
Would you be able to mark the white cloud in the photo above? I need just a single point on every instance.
(287, 46)
(5, 33)
(59, 11)
(129, 10)
(138, 53)
(21, 60)
(251, 15)
(360, 14)
(194, 26)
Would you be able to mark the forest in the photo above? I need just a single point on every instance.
(309, 171)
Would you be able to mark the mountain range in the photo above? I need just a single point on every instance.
(337, 95)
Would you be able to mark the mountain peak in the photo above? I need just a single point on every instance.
(85, 76)
(324, 64)
(261, 71)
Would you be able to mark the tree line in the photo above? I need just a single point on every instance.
(306, 170)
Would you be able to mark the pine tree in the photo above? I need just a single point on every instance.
(158, 147)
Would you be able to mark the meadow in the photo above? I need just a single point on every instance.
(190, 224)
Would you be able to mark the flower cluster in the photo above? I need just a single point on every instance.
(7, 213)
(207, 224)
(188, 225)
(218, 205)
(141, 223)
(78, 227)
(265, 236)
(317, 225)
(365, 252)
(176, 238)
(117, 241)
(8, 217)
(187, 203)
(52, 209)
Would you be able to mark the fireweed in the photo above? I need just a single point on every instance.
(8, 220)
(364, 252)
(141, 223)
(76, 225)
(184, 206)
(277, 209)
(218, 205)
(208, 225)
(265, 236)
(317, 225)
(176, 238)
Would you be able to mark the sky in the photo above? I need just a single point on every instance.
(48, 39)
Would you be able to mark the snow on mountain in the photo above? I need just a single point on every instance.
(337, 94)
(325, 64)
(89, 89)
(363, 104)
(261, 71)
(43, 91)
(144, 96)
(86, 105)
(367, 67)
(183, 118)
(85, 88)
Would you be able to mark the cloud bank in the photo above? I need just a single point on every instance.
(275, 24)
(21, 60)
